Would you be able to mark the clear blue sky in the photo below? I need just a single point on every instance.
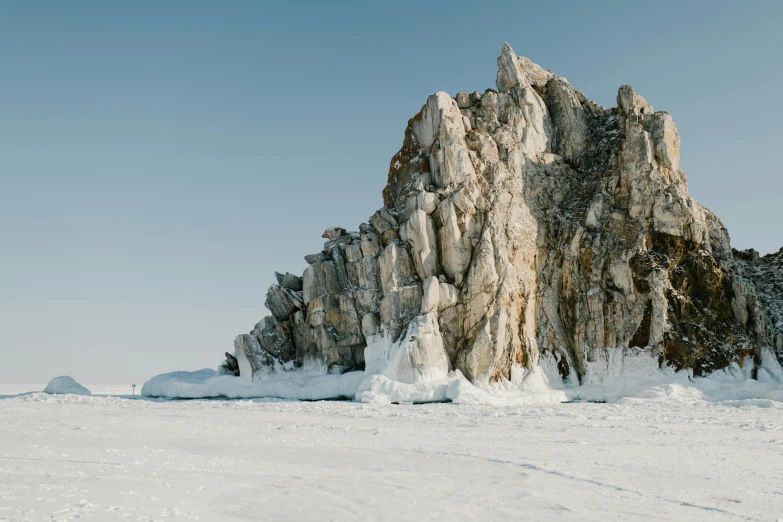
(159, 160)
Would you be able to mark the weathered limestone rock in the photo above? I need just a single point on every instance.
(231, 365)
(337, 242)
(568, 119)
(521, 223)
(534, 73)
(398, 307)
(510, 73)
(632, 105)
(333, 232)
(767, 275)
(419, 233)
(447, 295)
(274, 337)
(320, 279)
(282, 301)
(455, 237)
(427, 201)
(396, 268)
(315, 258)
(430, 301)
(291, 282)
(251, 358)
(666, 138)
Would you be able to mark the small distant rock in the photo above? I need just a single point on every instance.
(343, 241)
(320, 257)
(463, 100)
(333, 232)
(291, 282)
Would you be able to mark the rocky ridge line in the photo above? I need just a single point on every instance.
(522, 226)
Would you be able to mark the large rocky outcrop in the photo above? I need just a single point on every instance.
(519, 224)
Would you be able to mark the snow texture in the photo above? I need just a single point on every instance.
(66, 384)
(293, 385)
(671, 456)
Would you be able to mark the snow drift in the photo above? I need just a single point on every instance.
(64, 385)
(632, 374)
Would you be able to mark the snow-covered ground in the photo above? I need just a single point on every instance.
(64, 457)
(96, 389)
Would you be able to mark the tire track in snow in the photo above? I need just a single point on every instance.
(136, 466)
(533, 467)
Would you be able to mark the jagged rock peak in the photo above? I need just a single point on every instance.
(510, 73)
(631, 103)
(522, 227)
(519, 71)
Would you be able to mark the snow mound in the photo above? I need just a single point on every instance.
(208, 383)
(392, 377)
(415, 369)
(65, 384)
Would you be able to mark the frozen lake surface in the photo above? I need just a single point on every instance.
(105, 458)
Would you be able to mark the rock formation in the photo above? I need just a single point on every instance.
(522, 224)
(767, 274)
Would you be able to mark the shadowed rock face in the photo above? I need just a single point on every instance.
(521, 223)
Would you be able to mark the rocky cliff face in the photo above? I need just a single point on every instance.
(522, 224)
(767, 275)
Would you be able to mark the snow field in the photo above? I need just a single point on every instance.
(68, 457)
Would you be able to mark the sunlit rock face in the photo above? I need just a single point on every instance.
(521, 223)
